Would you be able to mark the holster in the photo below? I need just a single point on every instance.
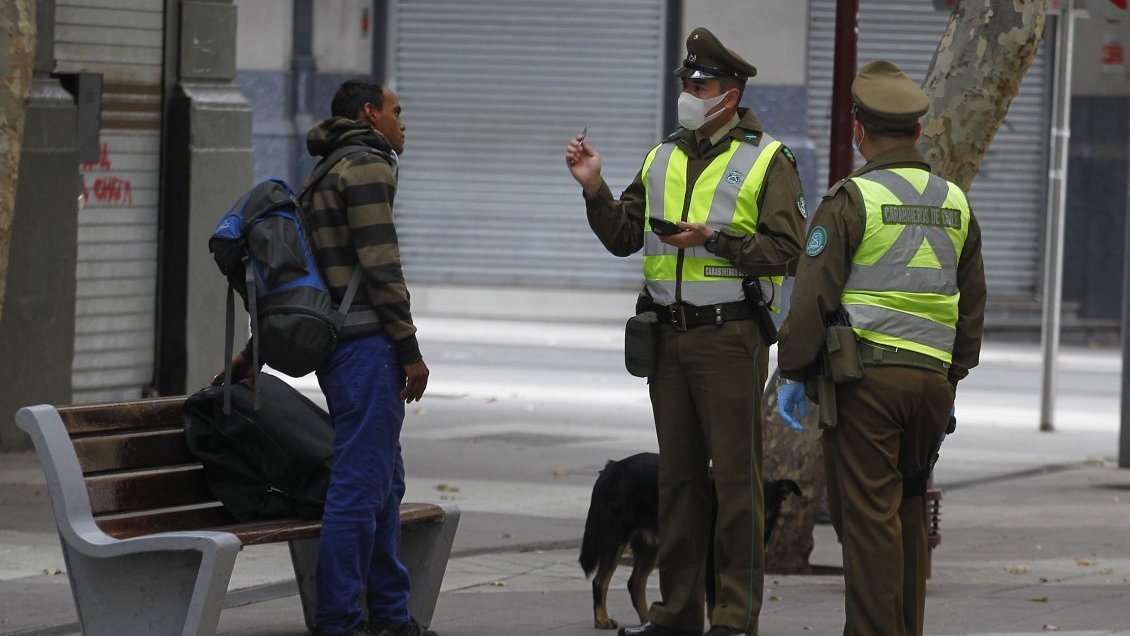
(762, 315)
(641, 337)
(843, 360)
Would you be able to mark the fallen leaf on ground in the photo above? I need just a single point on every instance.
(1039, 599)
(52, 571)
(558, 474)
(1048, 627)
(1095, 460)
(774, 598)
(498, 583)
(490, 398)
(1081, 562)
(504, 535)
(1018, 569)
(442, 487)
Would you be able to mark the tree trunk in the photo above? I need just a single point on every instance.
(17, 56)
(976, 72)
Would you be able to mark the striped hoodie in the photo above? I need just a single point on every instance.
(349, 217)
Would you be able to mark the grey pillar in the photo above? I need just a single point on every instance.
(37, 330)
(209, 163)
(302, 68)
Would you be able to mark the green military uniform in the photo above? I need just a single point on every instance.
(898, 250)
(705, 392)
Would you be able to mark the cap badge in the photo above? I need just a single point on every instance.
(734, 177)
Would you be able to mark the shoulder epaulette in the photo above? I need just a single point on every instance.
(836, 187)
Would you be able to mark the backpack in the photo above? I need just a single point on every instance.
(268, 462)
(263, 249)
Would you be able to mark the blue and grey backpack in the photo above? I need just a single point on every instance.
(262, 247)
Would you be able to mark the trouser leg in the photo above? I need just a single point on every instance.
(725, 381)
(360, 384)
(684, 491)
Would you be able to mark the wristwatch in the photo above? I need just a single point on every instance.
(712, 242)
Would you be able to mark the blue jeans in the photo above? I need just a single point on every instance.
(360, 542)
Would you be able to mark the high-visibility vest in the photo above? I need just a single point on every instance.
(902, 291)
(725, 195)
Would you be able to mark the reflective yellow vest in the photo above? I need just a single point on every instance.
(724, 196)
(902, 290)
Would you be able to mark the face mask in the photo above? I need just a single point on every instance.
(855, 144)
(692, 110)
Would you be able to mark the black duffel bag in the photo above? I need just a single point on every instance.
(270, 463)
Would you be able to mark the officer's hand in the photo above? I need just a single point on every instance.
(692, 235)
(416, 383)
(790, 397)
(952, 426)
(584, 165)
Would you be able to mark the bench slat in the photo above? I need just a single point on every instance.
(134, 450)
(116, 416)
(165, 488)
(253, 533)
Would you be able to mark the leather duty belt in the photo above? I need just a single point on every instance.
(682, 316)
(874, 355)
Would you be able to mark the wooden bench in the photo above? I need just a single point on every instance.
(149, 549)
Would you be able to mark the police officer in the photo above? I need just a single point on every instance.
(897, 251)
(735, 196)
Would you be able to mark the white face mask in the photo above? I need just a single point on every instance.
(692, 110)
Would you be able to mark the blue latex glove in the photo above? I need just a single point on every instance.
(790, 397)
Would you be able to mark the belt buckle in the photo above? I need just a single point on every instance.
(678, 316)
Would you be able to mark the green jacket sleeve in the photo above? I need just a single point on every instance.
(618, 223)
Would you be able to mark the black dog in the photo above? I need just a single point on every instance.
(625, 511)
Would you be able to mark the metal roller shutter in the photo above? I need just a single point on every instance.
(115, 304)
(492, 91)
(1008, 195)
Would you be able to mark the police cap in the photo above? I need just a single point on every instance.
(708, 59)
(887, 97)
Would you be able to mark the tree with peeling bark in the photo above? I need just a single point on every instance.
(976, 72)
(17, 57)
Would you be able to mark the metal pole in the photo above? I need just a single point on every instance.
(840, 153)
(1057, 207)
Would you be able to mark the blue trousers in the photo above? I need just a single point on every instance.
(360, 542)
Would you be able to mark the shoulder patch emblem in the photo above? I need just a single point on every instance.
(788, 154)
(801, 206)
(817, 241)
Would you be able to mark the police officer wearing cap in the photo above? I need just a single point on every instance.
(895, 252)
(735, 196)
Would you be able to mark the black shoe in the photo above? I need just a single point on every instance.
(411, 628)
(722, 630)
(651, 629)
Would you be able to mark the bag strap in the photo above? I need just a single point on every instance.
(325, 165)
(228, 348)
(253, 309)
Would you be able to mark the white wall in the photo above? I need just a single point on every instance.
(770, 34)
(263, 35)
(340, 44)
(1089, 76)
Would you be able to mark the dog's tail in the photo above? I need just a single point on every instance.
(595, 524)
(590, 550)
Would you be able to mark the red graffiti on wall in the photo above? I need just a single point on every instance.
(111, 190)
(107, 189)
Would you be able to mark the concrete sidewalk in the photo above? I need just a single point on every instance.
(1035, 534)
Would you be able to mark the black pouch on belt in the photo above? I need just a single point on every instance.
(640, 344)
(844, 363)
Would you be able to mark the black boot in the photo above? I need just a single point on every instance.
(651, 629)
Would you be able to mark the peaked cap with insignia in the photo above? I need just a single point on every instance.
(708, 59)
(887, 97)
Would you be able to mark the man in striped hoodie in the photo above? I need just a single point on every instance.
(375, 370)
